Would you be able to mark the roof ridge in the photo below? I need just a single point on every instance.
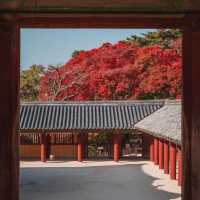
(92, 102)
(173, 101)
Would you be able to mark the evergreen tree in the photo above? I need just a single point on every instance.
(163, 37)
(29, 82)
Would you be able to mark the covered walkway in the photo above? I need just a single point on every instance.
(80, 118)
(157, 122)
(164, 126)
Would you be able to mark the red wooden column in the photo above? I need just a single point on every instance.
(179, 155)
(156, 150)
(48, 146)
(172, 161)
(9, 106)
(146, 140)
(152, 150)
(85, 143)
(191, 110)
(80, 148)
(43, 148)
(116, 142)
(161, 154)
(166, 157)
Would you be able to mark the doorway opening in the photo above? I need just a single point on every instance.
(129, 145)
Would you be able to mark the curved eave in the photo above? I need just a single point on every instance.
(157, 135)
(73, 130)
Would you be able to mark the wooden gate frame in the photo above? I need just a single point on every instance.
(10, 24)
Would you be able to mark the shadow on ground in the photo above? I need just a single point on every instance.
(117, 182)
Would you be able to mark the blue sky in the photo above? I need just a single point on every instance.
(55, 46)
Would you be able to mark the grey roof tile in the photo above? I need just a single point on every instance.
(164, 123)
(62, 116)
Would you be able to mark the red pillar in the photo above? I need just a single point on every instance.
(152, 150)
(116, 141)
(161, 154)
(48, 146)
(146, 140)
(179, 167)
(172, 161)
(166, 157)
(85, 143)
(43, 148)
(80, 148)
(156, 150)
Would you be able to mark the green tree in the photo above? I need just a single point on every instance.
(163, 37)
(29, 82)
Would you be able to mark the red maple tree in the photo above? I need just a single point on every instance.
(115, 72)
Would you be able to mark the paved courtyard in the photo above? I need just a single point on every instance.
(95, 180)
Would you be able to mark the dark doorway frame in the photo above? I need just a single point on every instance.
(10, 25)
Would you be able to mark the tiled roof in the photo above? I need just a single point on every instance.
(164, 123)
(93, 115)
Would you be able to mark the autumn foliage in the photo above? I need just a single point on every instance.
(114, 72)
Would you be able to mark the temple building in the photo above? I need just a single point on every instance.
(81, 130)
(141, 129)
(164, 126)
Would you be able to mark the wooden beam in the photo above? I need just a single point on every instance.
(179, 158)
(125, 6)
(101, 21)
(191, 110)
(9, 107)
(195, 110)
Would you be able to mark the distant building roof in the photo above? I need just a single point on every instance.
(164, 123)
(93, 115)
